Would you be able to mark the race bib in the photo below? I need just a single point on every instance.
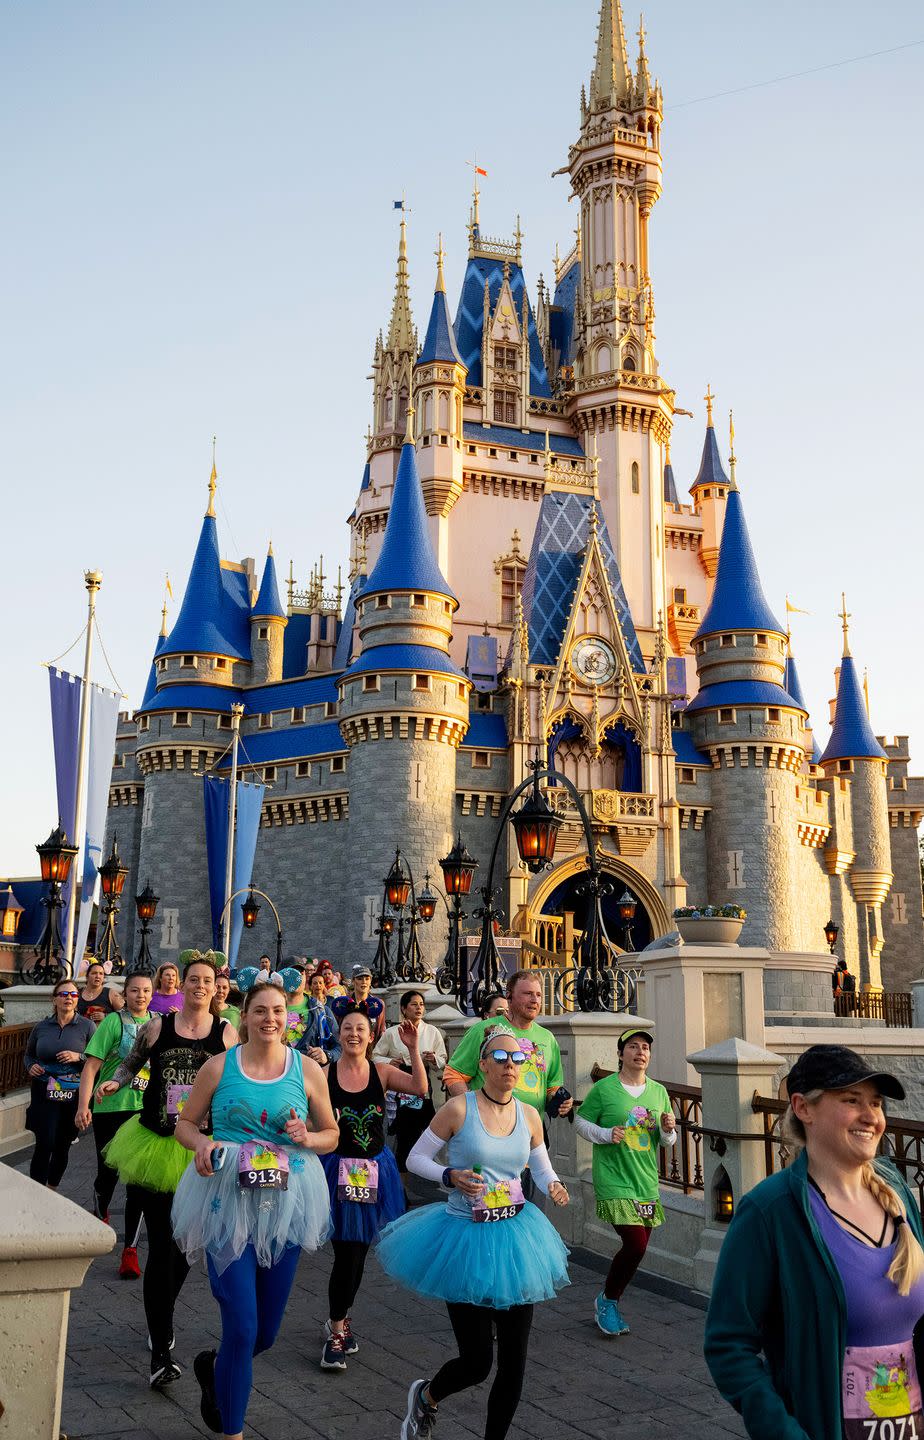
(177, 1095)
(62, 1088)
(882, 1393)
(358, 1180)
(262, 1167)
(410, 1102)
(502, 1203)
(645, 1210)
(140, 1081)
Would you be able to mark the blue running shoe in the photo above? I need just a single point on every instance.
(608, 1318)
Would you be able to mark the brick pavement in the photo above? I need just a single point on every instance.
(652, 1382)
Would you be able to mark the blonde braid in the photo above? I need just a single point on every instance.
(908, 1265)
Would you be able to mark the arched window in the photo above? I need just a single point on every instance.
(628, 359)
(604, 360)
(388, 407)
(428, 413)
(443, 423)
(636, 483)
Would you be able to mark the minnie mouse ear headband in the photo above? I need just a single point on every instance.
(251, 976)
(215, 958)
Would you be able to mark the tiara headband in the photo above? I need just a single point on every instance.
(492, 1034)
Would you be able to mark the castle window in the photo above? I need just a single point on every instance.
(706, 493)
(298, 714)
(447, 608)
(220, 663)
(419, 600)
(726, 717)
(687, 776)
(481, 760)
(845, 766)
(773, 716)
(727, 640)
(636, 483)
(680, 596)
(383, 602)
(189, 659)
(269, 773)
(514, 455)
(470, 449)
(370, 682)
(265, 722)
(484, 702)
(760, 639)
(461, 691)
(628, 360)
(181, 717)
(262, 632)
(144, 723)
(505, 406)
(337, 764)
(505, 357)
(421, 682)
(303, 769)
(330, 709)
(511, 587)
(161, 666)
(224, 722)
(118, 761)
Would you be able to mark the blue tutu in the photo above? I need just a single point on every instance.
(352, 1220)
(212, 1214)
(447, 1257)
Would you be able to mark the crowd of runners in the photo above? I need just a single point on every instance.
(248, 1120)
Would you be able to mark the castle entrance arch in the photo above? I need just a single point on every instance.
(558, 893)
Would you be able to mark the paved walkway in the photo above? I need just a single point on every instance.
(653, 1383)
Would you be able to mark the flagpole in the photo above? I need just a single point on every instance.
(93, 579)
(236, 713)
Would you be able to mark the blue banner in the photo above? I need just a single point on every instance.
(249, 809)
(104, 718)
(216, 848)
(65, 727)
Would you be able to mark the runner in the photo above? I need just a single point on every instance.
(226, 1002)
(167, 998)
(489, 1273)
(145, 1151)
(361, 999)
(53, 1061)
(362, 1177)
(320, 1037)
(413, 1113)
(495, 1007)
(96, 999)
(540, 1077)
(253, 1213)
(625, 1116)
(114, 1038)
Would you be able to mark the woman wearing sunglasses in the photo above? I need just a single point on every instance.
(54, 1060)
(487, 1253)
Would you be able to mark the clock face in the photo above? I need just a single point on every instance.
(593, 660)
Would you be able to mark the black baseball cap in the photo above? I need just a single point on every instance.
(835, 1067)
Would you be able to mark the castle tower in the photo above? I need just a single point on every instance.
(854, 755)
(710, 490)
(403, 708)
(267, 627)
(753, 732)
(439, 393)
(619, 402)
(393, 364)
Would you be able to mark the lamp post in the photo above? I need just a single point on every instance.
(112, 880)
(250, 910)
(458, 869)
(55, 858)
(536, 828)
(399, 888)
(831, 933)
(146, 907)
(627, 906)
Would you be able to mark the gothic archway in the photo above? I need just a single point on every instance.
(561, 882)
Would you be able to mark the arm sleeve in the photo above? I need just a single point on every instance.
(540, 1167)
(384, 1049)
(439, 1048)
(742, 1297)
(126, 1071)
(422, 1159)
(597, 1134)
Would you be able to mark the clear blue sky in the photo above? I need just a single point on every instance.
(198, 238)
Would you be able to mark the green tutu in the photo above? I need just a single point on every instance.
(624, 1212)
(142, 1158)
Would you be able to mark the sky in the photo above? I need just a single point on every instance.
(198, 239)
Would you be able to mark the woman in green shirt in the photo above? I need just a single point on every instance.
(626, 1116)
(106, 1049)
(226, 1010)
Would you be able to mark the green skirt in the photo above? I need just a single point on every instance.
(143, 1158)
(627, 1212)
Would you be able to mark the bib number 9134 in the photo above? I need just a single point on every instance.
(262, 1167)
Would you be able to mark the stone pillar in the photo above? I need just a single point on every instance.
(698, 995)
(917, 1004)
(46, 1247)
(730, 1073)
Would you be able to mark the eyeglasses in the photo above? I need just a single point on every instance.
(67, 995)
(518, 1057)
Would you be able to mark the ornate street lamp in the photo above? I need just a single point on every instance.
(458, 869)
(426, 901)
(627, 908)
(536, 828)
(55, 858)
(251, 910)
(831, 933)
(112, 877)
(399, 888)
(146, 907)
(397, 885)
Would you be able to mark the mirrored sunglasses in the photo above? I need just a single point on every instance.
(67, 995)
(502, 1056)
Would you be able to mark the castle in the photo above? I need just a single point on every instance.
(524, 576)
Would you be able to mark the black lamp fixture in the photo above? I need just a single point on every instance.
(112, 876)
(627, 907)
(723, 1197)
(458, 869)
(536, 827)
(250, 909)
(55, 858)
(426, 901)
(398, 890)
(831, 933)
(397, 885)
(146, 907)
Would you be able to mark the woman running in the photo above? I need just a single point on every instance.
(97, 1000)
(320, 1038)
(168, 998)
(362, 1177)
(413, 1113)
(226, 999)
(114, 1038)
(488, 1253)
(54, 1059)
(626, 1116)
(145, 1151)
(256, 1196)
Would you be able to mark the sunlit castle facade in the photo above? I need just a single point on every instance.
(523, 575)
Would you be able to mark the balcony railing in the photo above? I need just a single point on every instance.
(12, 1057)
(892, 1007)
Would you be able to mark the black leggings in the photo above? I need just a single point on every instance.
(52, 1124)
(167, 1267)
(627, 1260)
(345, 1276)
(471, 1326)
(105, 1126)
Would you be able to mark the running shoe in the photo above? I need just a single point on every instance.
(204, 1371)
(350, 1342)
(608, 1318)
(171, 1346)
(164, 1371)
(129, 1269)
(333, 1356)
(420, 1420)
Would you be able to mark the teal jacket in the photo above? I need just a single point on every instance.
(776, 1331)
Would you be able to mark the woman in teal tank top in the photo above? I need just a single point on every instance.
(256, 1195)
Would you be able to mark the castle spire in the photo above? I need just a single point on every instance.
(401, 326)
(738, 601)
(852, 736)
(440, 340)
(642, 73)
(844, 617)
(213, 483)
(612, 78)
(440, 257)
(732, 458)
(406, 560)
(268, 605)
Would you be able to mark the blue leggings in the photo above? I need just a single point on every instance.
(252, 1300)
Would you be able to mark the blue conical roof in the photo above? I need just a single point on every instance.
(738, 602)
(710, 466)
(852, 737)
(269, 605)
(214, 615)
(792, 683)
(150, 689)
(670, 486)
(439, 341)
(407, 561)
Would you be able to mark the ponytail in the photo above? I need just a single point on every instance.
(907, 1267)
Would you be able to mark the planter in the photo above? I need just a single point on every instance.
(709, 929)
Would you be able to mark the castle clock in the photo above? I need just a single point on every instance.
(593, 660)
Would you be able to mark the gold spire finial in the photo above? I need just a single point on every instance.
(844, 617)
(440, 257)
(269, 552)
(213, 483)
(709, 398)
(401, 327)
(612, 78)
(866, 690)
(667, 451)
(732, 458)
(163, 619)
(409, 432)
(290, 583)
(641, 33)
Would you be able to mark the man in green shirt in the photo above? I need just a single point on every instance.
(106, 1049)
(540, 1077)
